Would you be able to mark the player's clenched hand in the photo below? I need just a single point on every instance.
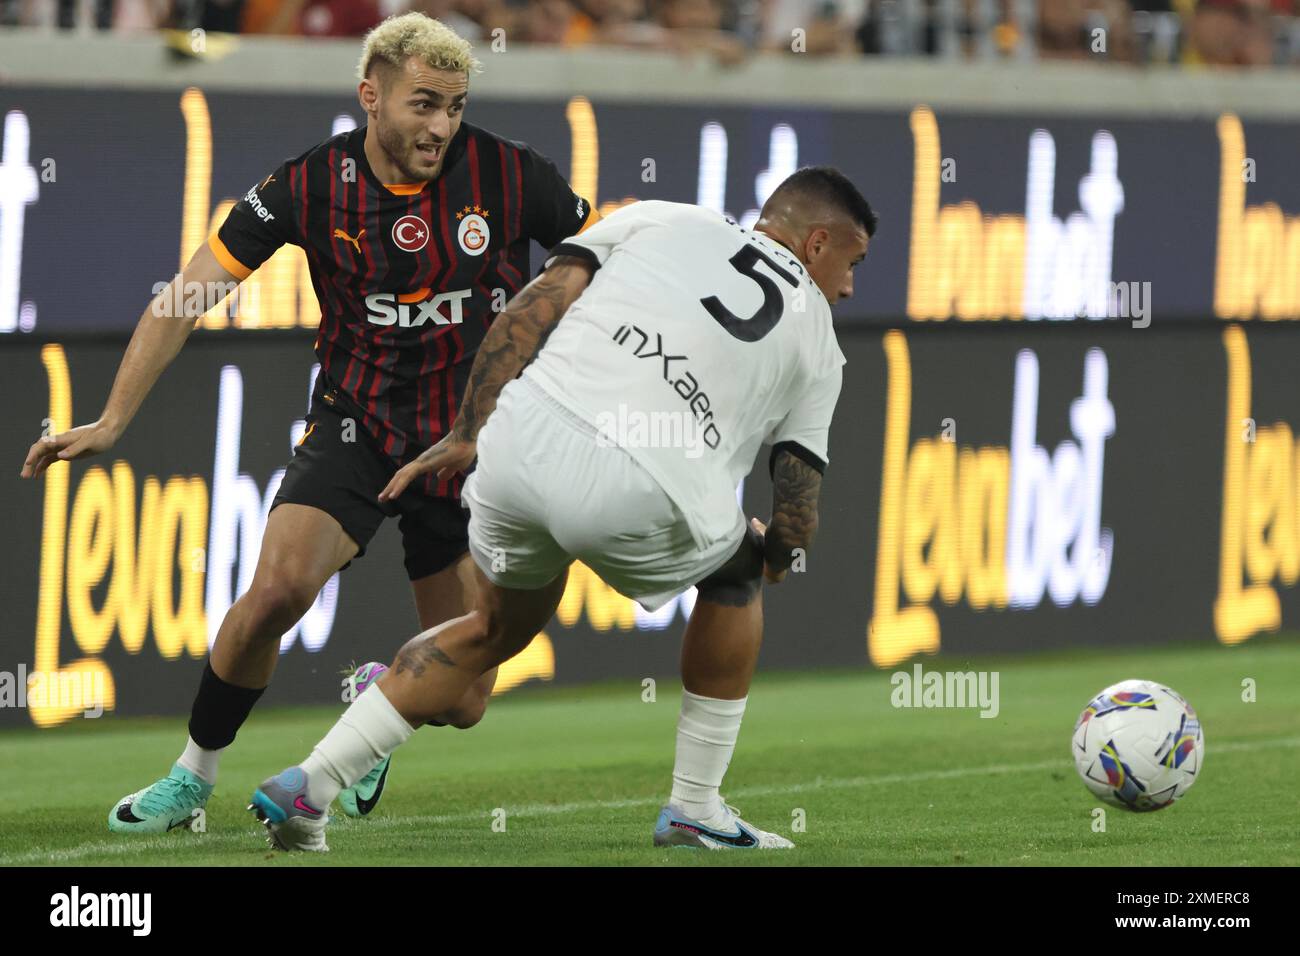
(79, 442)
(446, 458)
(775, 577)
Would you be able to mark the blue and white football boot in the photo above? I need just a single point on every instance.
(674, 828)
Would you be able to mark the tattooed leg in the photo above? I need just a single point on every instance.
(418, 654)
(435, 668)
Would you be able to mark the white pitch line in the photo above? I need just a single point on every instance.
(743, 793)
(121, 846)
(132, 845)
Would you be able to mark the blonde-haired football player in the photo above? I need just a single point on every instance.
(411, 225)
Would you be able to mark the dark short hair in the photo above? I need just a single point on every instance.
(830, 187)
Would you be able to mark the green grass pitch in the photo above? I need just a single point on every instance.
(581, 774)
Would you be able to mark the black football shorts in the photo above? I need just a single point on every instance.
(343, 479)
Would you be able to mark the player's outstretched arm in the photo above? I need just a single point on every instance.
(796, 488)
(157, 339)
(510, 344)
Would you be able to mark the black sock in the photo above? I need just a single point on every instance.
(220, 709)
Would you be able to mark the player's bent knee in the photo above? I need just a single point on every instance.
(464, 720)
(280, 600)
(738, 581)
(467, 713)
(470, 708)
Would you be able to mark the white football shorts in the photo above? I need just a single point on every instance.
(546, 492)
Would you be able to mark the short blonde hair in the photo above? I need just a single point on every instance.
(414, 34)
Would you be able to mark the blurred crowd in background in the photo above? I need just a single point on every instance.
(1210, 32)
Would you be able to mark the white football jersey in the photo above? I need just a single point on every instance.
(696, 342)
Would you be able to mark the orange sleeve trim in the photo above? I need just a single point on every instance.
(593, 217)
(228, 262)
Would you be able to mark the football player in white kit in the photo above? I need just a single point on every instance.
(686, 342)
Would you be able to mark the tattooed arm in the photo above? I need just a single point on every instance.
(510, 344)
(796, 487)
(516, 337)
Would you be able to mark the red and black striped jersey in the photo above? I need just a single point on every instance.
(409, 276)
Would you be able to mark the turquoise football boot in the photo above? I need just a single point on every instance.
(168, 804)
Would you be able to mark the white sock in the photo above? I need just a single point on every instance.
(369, 730)
(706, 737)
(200, 762)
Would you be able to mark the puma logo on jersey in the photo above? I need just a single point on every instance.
(355, 240)
(267, 181)
(389, 308)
